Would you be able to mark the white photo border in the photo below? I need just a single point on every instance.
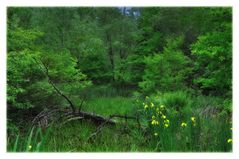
(169, 3)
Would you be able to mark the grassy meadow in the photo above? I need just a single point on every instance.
(198, 126)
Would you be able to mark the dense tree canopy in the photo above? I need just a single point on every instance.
(149, 49)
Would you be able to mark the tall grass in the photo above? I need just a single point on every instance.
(104, 91)
(74, 137)
(175, 100)
(208, 131)
(33, 141)
(176, 130)
(107, 105)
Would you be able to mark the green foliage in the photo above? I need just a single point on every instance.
(177, 100)
(111, 139)
(166, 70)
(131, 70)
(27, 82)
(185, 131)
(213, 52)
(105, 60)
(19, 38)
(33, 141)
(20, 76)
(108, 106)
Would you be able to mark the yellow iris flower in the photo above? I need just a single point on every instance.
(229, 141)
(166, 125)
(152, 105)
(155, 122)
(166, 121)
(183, 124)
(193, 119)
(146, 106)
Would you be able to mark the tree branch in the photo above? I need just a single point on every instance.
(45, 70)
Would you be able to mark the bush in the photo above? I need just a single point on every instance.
(166, 70)
(213, 53)
(176, 100)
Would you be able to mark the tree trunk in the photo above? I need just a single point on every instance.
(110, 53)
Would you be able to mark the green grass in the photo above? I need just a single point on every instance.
(210, 133)
(32, 141)
(111, 105)
(74, 136)
(207, 133)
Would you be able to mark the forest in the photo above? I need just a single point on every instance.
(119, 79)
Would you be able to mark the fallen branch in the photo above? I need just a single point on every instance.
(128, 117)
(44, 116)
(123, 116)
(96, 118)
(99, 129)
(72, 119)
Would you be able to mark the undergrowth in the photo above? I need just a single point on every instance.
(170, 122)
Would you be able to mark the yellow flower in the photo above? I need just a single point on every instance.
(162, 106)
(30, 147)
(155, 122)
(146, 106)
(155, 134)
(163, 116)
(193, 119)
(229, 141)
(166, 121)
(166, 125)
(183, 124)
(152, 105)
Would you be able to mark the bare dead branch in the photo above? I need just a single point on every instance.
(123, 116)
(46, 72)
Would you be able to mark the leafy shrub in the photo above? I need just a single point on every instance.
(228, 105)
(166, 70)
(176, 100)
(29, 69)
(213, 53)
